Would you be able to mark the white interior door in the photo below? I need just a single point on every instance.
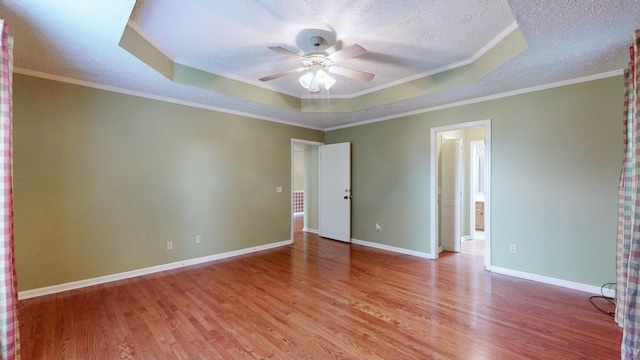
(335, 191)
(450, 194)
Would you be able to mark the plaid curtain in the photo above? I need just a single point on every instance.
(9, 334)
(628, 244)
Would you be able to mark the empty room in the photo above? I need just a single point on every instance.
(320, 179)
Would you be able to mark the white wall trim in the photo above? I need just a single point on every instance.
(27, 294)
(484, 98)
(139, 272)
(499, 270)
(259, 117)
(306, 142)
(144, 95)
(392, 248)
(553, 281)
(495, 41)
(315, 231)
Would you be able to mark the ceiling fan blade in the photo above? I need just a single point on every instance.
(275, 76)
(347, 53)
(284, 51)
(355, 74)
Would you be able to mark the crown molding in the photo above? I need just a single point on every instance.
(258, 117)
(487, 98)
(490, 45)
(155, 97)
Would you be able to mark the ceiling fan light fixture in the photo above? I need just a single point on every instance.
(318, 64)
(325, 79)
(305, 80)
(314, 79)
(314, 87)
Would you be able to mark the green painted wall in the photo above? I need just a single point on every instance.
(555, 165)
(103, 180)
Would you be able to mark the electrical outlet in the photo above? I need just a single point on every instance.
(169, 245)
(198, 239)
(378, 227)
(513, 248)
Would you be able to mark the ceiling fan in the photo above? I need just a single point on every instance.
(319, 63)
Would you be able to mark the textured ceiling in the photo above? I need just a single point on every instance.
(79, 42)
(232, 40)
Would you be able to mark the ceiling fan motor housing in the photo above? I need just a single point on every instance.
(316, 41)
(316, 58)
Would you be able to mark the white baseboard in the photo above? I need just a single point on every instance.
(175, 265)
(520, 274)
(315, 231)
(554, 281)
(392, 248)
(139, 272)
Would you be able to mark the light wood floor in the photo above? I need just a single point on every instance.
(473, 247)
(320, 299)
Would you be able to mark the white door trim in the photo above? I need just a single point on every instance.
(434, 186)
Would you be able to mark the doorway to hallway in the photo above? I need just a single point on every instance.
(304, 186)
(460, 220)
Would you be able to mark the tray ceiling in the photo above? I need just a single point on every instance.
(423, 54)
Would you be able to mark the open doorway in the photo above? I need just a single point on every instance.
(477, 184)
(460, 215)
(297, 186)
(304, 186)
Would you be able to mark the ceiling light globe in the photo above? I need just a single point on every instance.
(305, 80)
(325, 79)
(315, 85)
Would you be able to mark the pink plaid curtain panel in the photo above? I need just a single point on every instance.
(9, 334)
(628, 243)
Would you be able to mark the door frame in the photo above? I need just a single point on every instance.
(291, 167)
(434, 185)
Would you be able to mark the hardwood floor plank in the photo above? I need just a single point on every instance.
(320, 299)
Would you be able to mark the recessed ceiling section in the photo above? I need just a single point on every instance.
(405, 39)
(214, 47)
(424, 54)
